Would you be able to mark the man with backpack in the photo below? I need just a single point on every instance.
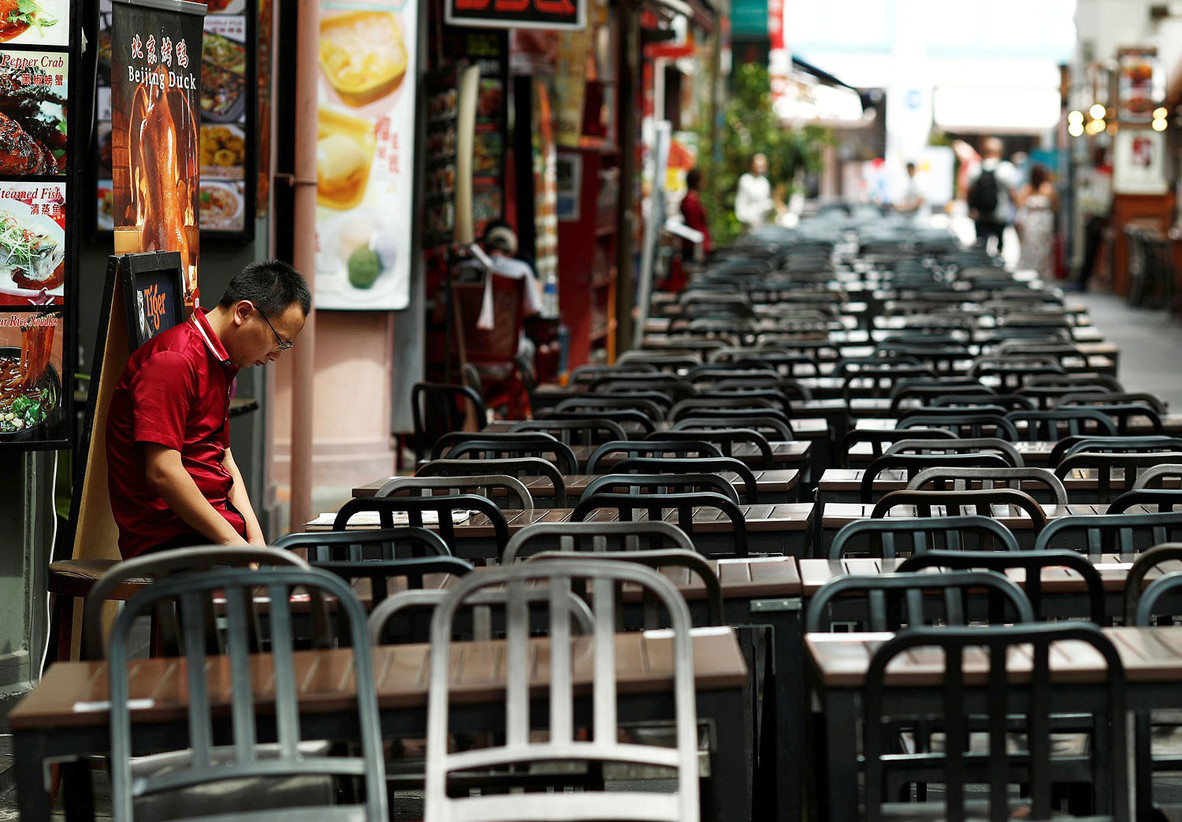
(989, 195)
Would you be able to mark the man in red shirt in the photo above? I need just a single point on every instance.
(694, 214)
(172, 478)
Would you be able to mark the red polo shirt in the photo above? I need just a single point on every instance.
(174, 392)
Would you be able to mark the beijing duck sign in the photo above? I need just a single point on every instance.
(518, 14)
(155, 116)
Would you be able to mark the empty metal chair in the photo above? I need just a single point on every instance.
(725, 438)
(439, 511)
(1061, 422)
(438, 409)
(508, 491)
(978, 502)
(744, 483)
(878, 438)
(912, 464)
(942, 478)
(603, 456)
(655, 506)
(984, 445)
(963, 424)
(1110, 484)
(1111, 533)
(1148, 444)
(624, 483)
(573, 432)
(890, 538)
(527, 469)
(519, 747)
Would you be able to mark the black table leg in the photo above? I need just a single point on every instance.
(728, 796)
(788, 697)
(841, 766)
(29, 754)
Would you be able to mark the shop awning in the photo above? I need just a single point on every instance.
(995, 110)
(812, 95)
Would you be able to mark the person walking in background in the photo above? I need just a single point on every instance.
(990, 194)
(1037, 202)
(753, 200)
(913, 199)
(694, 215)
(1095, 202)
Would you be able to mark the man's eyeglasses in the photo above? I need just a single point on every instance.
(284, 345)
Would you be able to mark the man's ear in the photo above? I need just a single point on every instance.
(242, 310)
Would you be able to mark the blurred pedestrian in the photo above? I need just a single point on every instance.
(1037, 202)
(1095, 202)
(990, 194)
(753, 200)
(913, 198)
(695, 216)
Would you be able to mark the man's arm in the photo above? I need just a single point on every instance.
(167, 475)
(241, 501)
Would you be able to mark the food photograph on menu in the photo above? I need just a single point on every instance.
(33, 133)
(35, 22)
(31, 348)
(32, 243)
(364, 157)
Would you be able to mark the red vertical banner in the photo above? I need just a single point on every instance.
(156, 64)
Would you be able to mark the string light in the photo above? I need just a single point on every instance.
(1097, 111)
(1075, 117)
(1075, 129)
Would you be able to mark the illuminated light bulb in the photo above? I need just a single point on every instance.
(1097, 111)
(1075, 129)
(1158, 125)
(1075, 117)
(1160, 113)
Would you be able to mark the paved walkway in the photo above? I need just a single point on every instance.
(1150, 345)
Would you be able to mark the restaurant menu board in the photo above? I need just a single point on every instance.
(33, 405)
(1140, 84)
(38, 58)
(156, 94)
(439, 202)
(226, 117)
(365, 154)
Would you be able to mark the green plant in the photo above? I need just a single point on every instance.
(750, 127)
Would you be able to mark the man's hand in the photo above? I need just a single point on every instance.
(167, 475)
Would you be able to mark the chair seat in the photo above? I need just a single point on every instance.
(75, 578)
(215, 799)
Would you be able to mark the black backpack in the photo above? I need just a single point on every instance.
(983, 194)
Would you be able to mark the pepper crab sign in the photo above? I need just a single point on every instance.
(518, 14)
(155, 111)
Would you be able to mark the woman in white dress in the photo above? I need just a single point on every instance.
(1037, 204)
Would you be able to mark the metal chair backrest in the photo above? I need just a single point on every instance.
(655, 507)
(416, 509)
(1059, 422)
(1107, 465)
(1090, 398)
(439, 408)
(671, 385)
(927, 392)
(1007, 402)
(1159, 499)
(1168, 554)
(1122, 415)
(978, 502)
(594, 403)
(779, 398)
(1111, 533)
(507, 491)
(1003, 703)
(771, 426)
(561, 742)
(947, 478)
(695, 406)
(708, 465)
(877, 438)
(597, 537)
(663, 362)
(625, 418)
(407, 574)
(985, 445)
(1013, 372)
(623, 483)
(892, 602)
(914, 463)
(573, 432)
(725, 438)
(693, 448)
(584, 375)
(1147, 444)
(161, 565)
(518, 467)
(358, 544)
(963, 424)
(191, 594)
(416, 607)
(1158, 475)
(688, 560)
(889, 538)
(1032, 564)
(506, 446)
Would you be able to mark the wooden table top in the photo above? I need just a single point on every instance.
(784, 454)
(75, 694)
(1032, 453)
(779, 481)
(1171, 424)
(1148, 655)
(811, 427)
(791, 516)
(838, 514)
(739, 578)
(1113, 570)
(893, 479)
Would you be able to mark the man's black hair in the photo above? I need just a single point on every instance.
(693, 178)
(272, 285)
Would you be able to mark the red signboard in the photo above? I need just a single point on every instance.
(517, 14)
